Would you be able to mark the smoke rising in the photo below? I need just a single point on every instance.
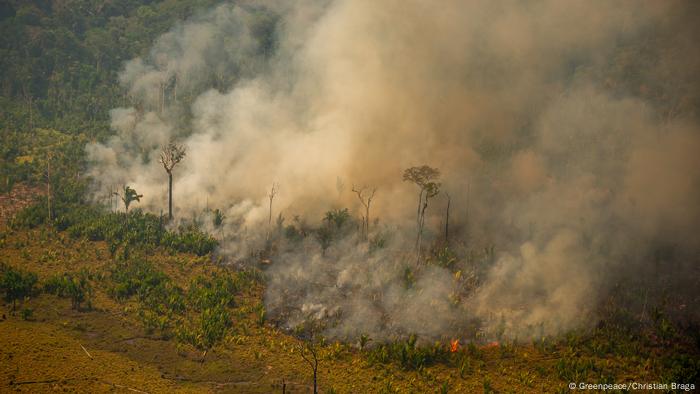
(566, 133)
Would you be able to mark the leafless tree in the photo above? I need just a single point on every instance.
(170, 155)
(447, 219)
(309, 353)
(366, 201)
(273, 192)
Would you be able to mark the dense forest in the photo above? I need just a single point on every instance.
(198, 195)
(60, 65)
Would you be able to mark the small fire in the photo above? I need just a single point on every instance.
(454, 345)
(492, 344)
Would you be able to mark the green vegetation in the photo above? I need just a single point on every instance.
(73, 286)
(199, 315)
(407, 355)
(60, 60)
(119, 229)
(16, 284)
(199, 307)
(60, 63)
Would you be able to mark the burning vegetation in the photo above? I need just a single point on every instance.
(554, 148)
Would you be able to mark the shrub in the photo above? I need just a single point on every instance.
(214, 324)
(324, 236)
(205, 293)
(443, 257)
(73, 286)
(190, 239)
(377, 242)
(30, 217)
(680, 367)
(293, 234)
(572, 369)
(135, 277)
(337, 217)
(16, 285)
(409, 356)
(136, 228)
(27, 313)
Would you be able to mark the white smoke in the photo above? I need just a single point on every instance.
(566, 134)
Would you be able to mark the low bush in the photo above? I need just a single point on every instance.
(135, 229)
(207, 293)
(16, 284)
(190, 239)
(214, 323)
(73, 286)
(199, 316)
(407, 355)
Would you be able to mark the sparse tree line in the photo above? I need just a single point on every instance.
(338, 223)
(19, 285)
(200, 315)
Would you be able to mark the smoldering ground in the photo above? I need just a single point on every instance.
(566, 134)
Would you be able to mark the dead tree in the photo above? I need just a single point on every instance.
(447, 219)
(271, 196)
(366, 201)
(48, 184)
(170, 155)
(424, 177)
(311, 358)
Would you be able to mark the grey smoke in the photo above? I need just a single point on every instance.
(566, 132)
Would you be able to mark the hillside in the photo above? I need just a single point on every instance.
(219, 196)
(42, 348)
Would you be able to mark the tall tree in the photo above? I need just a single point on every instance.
(447, 219)
(170, 155)
(425, 178)
(366, 201)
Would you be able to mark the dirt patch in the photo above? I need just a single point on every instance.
(17, 199)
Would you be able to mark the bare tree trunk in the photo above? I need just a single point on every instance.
(48, 185)
(420, 202)
(447, 220)
(367, 221)
(273, 193)
(418, 221)
(421, 224)
(170, 195)
(366, 202)
(269, 219)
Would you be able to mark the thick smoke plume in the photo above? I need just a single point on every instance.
(566, 134)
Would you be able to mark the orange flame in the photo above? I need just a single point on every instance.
(454, 345)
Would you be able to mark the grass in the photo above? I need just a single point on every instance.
(154, 315)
